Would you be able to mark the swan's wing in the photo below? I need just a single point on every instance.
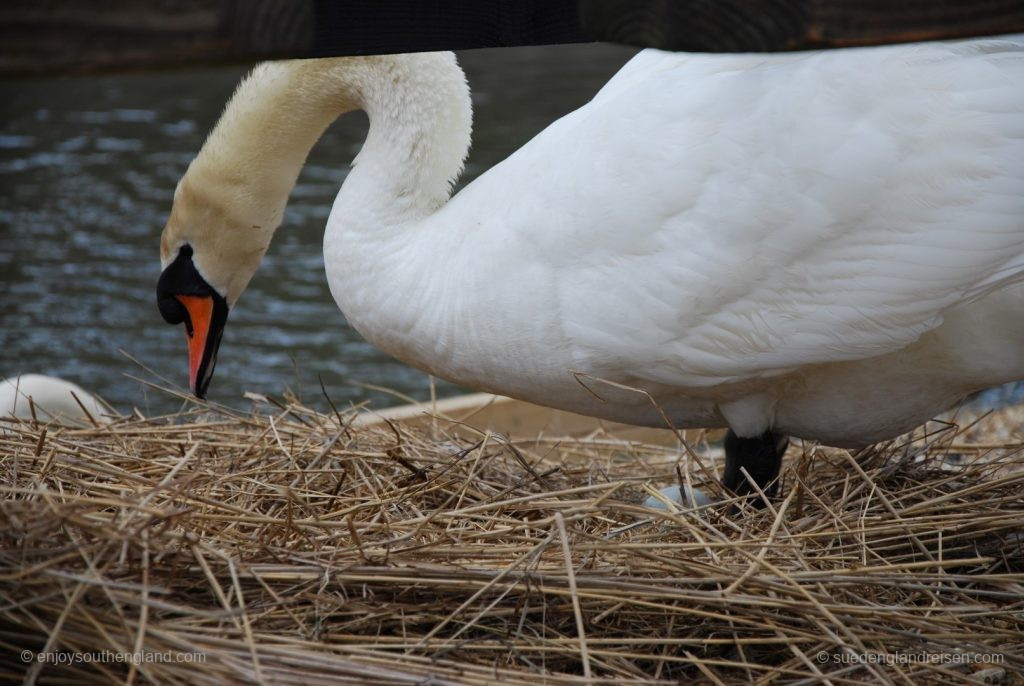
(715, 219)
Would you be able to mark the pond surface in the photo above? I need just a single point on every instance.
(88, 166)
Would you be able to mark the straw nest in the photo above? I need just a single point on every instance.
(289, 547)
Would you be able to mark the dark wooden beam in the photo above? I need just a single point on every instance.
(54, 36)
(776, 25)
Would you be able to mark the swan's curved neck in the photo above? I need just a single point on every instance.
(420, 120)
(233, 196)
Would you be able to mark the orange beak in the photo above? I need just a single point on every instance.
(200, 314)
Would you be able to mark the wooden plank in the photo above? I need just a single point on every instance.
(519, 420)
(50, 36)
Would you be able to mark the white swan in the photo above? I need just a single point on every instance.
(52, 399)
(828, 245)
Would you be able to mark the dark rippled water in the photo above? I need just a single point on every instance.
(88, 166)
(87, 171)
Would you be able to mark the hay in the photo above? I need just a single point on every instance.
(290, 548)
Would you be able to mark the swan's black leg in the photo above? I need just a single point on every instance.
(761, 457)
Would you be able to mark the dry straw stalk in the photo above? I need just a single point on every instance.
(290, 548)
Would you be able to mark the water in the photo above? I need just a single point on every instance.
(88, 166)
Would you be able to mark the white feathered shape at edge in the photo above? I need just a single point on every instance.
(53, 400)
(827, 244)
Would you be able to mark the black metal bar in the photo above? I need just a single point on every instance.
(344, 28)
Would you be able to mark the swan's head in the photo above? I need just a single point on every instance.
(208, 252)
(233, 196)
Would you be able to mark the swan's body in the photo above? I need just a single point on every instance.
(829, 245)
(50, 399)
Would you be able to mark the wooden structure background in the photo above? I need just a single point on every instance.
(54, 36)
